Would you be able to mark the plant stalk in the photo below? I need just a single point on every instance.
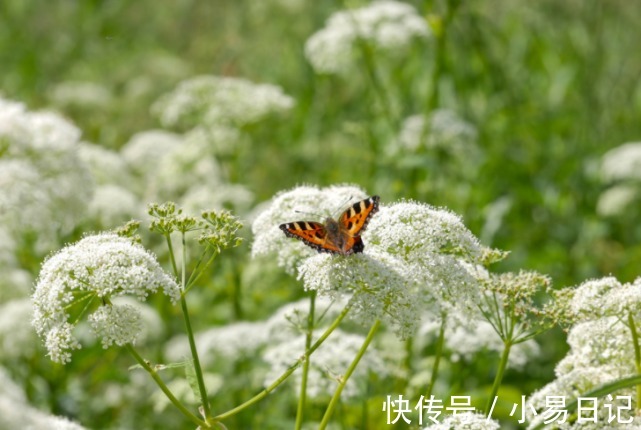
(152, 372)
(288, 372)
(337, 394)
(308, 343)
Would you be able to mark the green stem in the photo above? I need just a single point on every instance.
(437, 358)
(507, 345)
(308, 344)
(172, 258)
(337, 394)
(190, 336)
(637, 356)
(288, 372)
(164, 388)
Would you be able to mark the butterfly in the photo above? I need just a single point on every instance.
(336, 237)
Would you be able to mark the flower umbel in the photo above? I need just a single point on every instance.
(94, 269)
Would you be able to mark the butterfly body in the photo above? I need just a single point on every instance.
(340, 236)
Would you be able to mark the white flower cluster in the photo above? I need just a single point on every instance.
(17, 339)
(328, 363)
(16, 413)
(96, 267)
(217, 100)
(465, 421)
(601, 298)
(44, 186)
(386, 25)
(416, 257)
(601, 345)
(621, 170)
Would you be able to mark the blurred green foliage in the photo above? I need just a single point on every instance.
(549, 85)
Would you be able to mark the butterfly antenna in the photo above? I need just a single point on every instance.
(341, 207)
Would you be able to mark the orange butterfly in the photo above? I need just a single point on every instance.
(336, 237)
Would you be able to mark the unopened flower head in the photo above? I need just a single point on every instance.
(220, 100)
(465, 421)
(96, 268)
(304, 202)
(328, 364)
(385, 25)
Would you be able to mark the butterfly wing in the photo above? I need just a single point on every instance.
(354, 220)
(338, 238)
(311, 233)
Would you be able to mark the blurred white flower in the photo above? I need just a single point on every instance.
(220, 139)
(44, 185)
(17, 339)
(81, 94)
(107, 167)
(14, 283)
(180, 169)
(16, 413)
(219, 100)
(442, 129)
(290, 320)
(232, 342)
(622, 163)
(465, 421)
(615, 200)
(387, 25)
(464, 342)
(97, 267)
(144, 150)
(328, 363)
(112, 205)
(205, 197)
